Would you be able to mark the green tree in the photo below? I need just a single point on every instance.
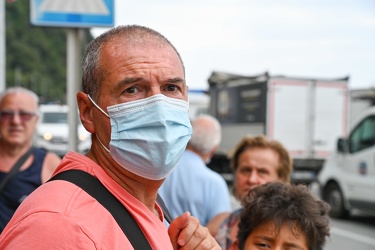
(35, 56)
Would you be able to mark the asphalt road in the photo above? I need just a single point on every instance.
(355, 233)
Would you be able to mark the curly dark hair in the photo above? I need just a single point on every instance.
(283, 203)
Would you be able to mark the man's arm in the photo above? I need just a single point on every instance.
(51, 161)
(214, 224)
(44, 230)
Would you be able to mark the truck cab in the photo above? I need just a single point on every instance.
(347, 179)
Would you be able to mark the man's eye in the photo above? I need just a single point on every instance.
(245, 171)
(264, 172)
(26, 115)
(172, 88)
(131, 90)
(7, 114)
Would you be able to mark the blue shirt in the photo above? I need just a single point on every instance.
(193, 187)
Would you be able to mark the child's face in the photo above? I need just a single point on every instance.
(264, 237)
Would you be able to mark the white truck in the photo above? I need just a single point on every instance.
(198, 102)
(306, 115)
(347, 179)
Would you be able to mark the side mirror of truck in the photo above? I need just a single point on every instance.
(342, 145)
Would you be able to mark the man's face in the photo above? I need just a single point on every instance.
(256, 166)
(137, 72)
(18, 120)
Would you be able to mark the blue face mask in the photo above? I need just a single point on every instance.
(149, 135)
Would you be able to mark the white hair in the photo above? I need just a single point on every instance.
(15, 90)
(206, 133)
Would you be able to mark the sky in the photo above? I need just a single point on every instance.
(309, 38)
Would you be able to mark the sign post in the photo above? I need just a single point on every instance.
(75, 15)
(73, 79)
(2, 46)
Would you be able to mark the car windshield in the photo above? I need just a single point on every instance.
(55, 117)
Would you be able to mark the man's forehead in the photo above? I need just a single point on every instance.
(21, 97)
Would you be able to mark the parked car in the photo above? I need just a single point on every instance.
(347, 179)
(53, 130)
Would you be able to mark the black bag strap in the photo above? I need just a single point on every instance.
(167, 215)
(95, 188)
(15, 168)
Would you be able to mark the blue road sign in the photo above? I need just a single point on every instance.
(72, 13)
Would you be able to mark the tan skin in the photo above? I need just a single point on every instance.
(16, 136)
(256, 166)
(133, 74)
(266, 237)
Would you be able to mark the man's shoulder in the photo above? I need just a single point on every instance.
(60, 196)
(68, 214)
(54, 196)
(215, 176)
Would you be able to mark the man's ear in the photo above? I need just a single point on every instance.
(85, 111)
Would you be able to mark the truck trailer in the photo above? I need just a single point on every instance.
(306, 115)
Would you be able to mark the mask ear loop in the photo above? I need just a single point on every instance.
(97, 106)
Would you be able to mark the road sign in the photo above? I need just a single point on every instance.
(72, 13)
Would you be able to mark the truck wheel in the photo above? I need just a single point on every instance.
(333, 196)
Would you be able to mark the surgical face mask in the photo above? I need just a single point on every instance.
(148, 136)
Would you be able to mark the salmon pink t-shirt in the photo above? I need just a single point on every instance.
(60, 215)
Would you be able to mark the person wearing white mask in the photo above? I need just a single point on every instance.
(134, 103)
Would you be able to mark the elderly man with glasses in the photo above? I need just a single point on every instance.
(18, 120)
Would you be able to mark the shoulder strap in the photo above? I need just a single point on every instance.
(15, 168)
(95, 188)
(167, 215)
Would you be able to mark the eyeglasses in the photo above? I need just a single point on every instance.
(8, 115)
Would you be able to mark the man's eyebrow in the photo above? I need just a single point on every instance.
(124, 82)
(175, 80)
(129, 80)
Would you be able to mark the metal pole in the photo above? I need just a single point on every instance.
(73, 83)
(311, 119)
(2, 45)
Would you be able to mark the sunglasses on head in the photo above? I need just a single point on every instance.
(8, 115)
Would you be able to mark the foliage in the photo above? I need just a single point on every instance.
(35, 56)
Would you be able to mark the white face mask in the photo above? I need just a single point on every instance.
(149, 135)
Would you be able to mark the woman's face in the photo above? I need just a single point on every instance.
(256, 166)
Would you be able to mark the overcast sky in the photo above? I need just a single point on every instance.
(309, 38)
